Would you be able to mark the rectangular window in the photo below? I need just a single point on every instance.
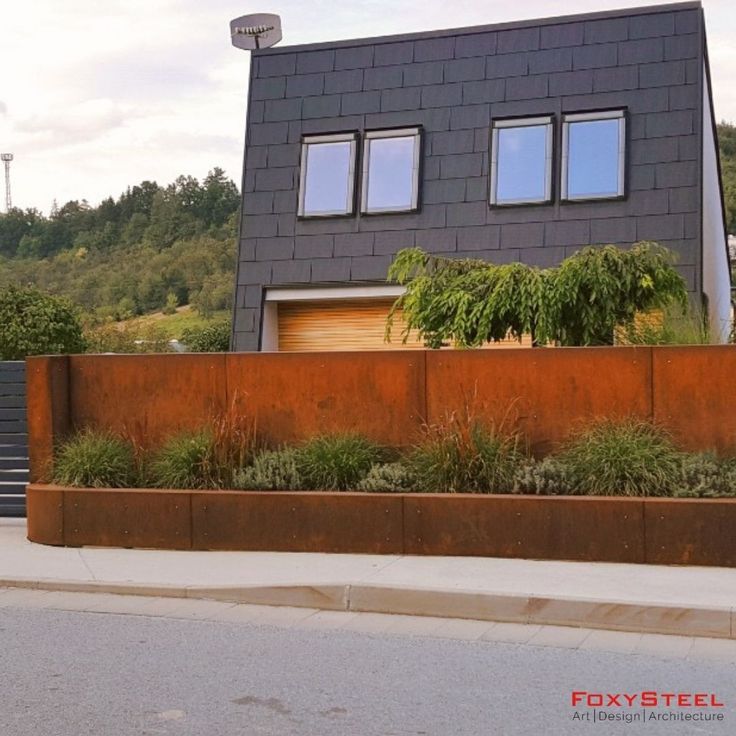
(327, 175)
(521, 161)
(593, 155)
(391, 170)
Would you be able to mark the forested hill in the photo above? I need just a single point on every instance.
(151, 246)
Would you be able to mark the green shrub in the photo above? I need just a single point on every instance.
(463, 454)
(337, 462)
(579, 302)
(272, 470)
(234, 445)
(706, 476)
(34, 323)
(623, 458)
(546, 477)
(122, 337)
(212, 338)
(184, 461)
(388, 478)
(95, 459)
(672, 325)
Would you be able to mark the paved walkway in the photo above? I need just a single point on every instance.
(691, 601)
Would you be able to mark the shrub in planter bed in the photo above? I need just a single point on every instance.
(336, 462)
(388, 478)
(272, 470)
(706, 476)
(465, 455)
(184, 461)
(95, 459)
(623, 458)
(546, 477)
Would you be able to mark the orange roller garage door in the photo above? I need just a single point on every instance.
(347, 324)
(339, 324)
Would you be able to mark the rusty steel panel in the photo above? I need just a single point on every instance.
(45, 514)
(47, 390)
(698, 531)
(695, 395)
(295, 396)
(546, 391)
(297, 522)
(533, 527)
(146, 397)
(158, 519)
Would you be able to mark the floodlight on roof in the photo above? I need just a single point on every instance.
(257, 31)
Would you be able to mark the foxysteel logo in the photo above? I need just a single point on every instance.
(644, 699)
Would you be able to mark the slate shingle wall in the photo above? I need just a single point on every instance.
(453, 85)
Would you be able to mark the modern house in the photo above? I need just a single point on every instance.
(510, 142)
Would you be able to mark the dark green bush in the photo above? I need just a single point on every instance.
(465, 455)
(184, 461)
(388, 478)
(631, 457)
(212, 338)
(34, 323)
(337, 462)
(95, 459)
(272, 470)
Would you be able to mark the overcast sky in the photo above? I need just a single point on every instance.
(97, 95)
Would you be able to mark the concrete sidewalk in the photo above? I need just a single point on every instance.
(688, 601)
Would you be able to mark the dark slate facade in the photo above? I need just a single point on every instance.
(453, 83)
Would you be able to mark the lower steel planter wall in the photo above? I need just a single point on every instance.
(604, 529)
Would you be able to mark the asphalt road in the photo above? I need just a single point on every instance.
(79, 673)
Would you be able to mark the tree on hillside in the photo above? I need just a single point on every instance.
(34, 323)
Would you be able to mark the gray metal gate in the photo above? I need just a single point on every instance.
(13, 439)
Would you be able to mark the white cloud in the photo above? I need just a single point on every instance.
(98, 96)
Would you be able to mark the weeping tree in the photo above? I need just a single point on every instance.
(580, 302)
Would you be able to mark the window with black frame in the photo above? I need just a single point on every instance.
(390, 177)
(521, 161)
(593, 155)
(327, 175)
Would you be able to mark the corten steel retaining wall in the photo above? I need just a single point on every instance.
(584, 528)
(384, 395)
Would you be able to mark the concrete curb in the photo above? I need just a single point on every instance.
(715, 622)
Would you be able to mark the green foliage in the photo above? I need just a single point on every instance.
(388, 478)
(129, 279)
(172, 302)
(34, 323)
(630, 457)
(95, 459)
(546, 477)
(212, 338)
(727, 145)
(704, 475)
(272, 470)
(670, 326)
(128, 256)
(463, 454)
(184, 461)
(114, 337)
(210, 458)
(144, 213)
(336, 462)
(580, 302)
